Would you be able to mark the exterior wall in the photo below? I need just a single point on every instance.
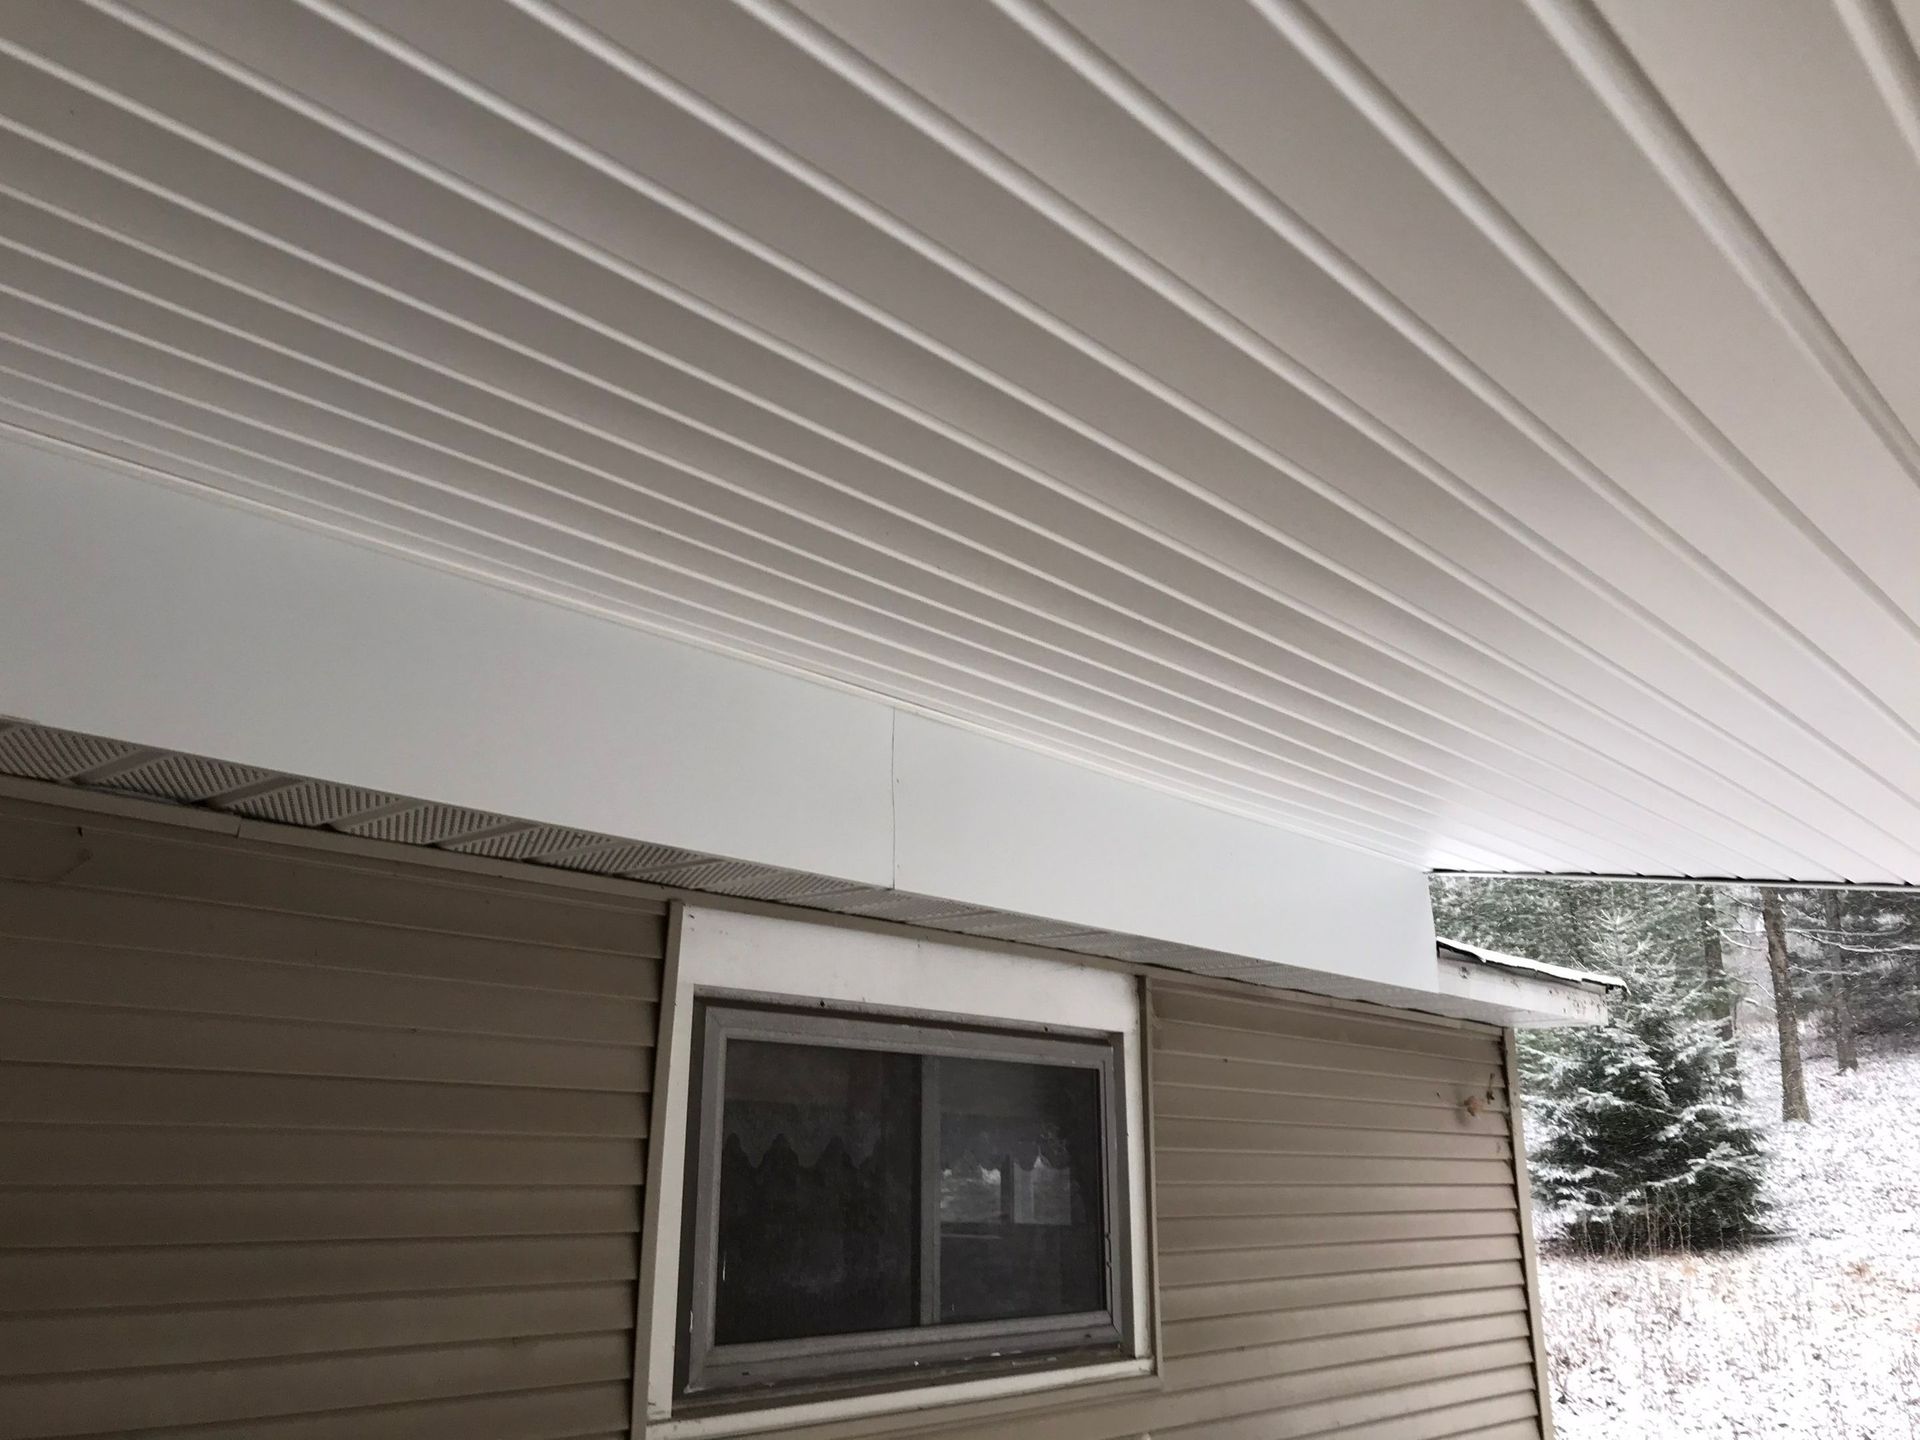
(132, 610)
(357, 1143)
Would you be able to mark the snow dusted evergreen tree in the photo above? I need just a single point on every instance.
(1638, 1136)
(1639, 1140)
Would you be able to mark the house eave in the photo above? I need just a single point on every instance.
(1527, 994)
(271, 805)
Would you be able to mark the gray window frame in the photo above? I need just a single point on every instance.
(723, 1372)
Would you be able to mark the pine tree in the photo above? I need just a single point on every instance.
(1641, 1143)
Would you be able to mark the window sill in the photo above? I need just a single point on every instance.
(926, 1397)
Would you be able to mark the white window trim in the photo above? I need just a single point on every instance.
(730, 951)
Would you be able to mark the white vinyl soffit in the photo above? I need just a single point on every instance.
(1482, 435)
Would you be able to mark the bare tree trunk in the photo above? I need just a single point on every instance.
(1846, 1049)
(1793, 1078)
(1713, 960)
(1846, 1053)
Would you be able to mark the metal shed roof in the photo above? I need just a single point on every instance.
(1479, 434)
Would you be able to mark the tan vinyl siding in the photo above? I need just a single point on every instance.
(298, 1146)
(304, 1145)
(1339, 1241)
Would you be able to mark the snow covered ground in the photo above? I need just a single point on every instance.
(1814, 1338)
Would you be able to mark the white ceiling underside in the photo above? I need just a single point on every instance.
(1481, 433)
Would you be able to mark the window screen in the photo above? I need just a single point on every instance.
(818, 1227)
(1021, 1216)
(872, 1196)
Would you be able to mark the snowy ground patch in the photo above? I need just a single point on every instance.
(1815, 1336)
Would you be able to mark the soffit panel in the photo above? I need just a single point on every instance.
(1483, 444)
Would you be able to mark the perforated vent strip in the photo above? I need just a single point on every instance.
(426, 824)
(637, 860)
(43, 754)
(311, 803)
(533, 843)
(186, 777)
(758, 882)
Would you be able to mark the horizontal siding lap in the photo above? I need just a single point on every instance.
(104, 1278)
(78, 1405)
(72, 1341)
(1492, 1400)
(1217, 1105)
(1214, 1167)
(1241, 1233)
(1253, 1297)
(240, 1044)
(1309, 1402)
(579, 1412)
(1440, 1313)
(300, 1147)
(1250, 1047)
(1265, 1017)
(1189, 1201)
(73, 1217)
(37, 914)
(1254, 1362)
(1280, 1077)
(98, 853)
(1321, 1400)
(1276, 1137)
(110, 921)
(51, 972)
(161, 1155)
(88, 1095)
(1221, 1267)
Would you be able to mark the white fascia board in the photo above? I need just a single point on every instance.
(135, 610)
(138, 610)
(1502, 960)
(1017, 830)
(1522, 1001)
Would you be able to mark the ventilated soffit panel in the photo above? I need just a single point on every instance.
(1481, 436)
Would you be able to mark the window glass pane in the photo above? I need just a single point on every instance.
(818, 1173)
(1022, 1228)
